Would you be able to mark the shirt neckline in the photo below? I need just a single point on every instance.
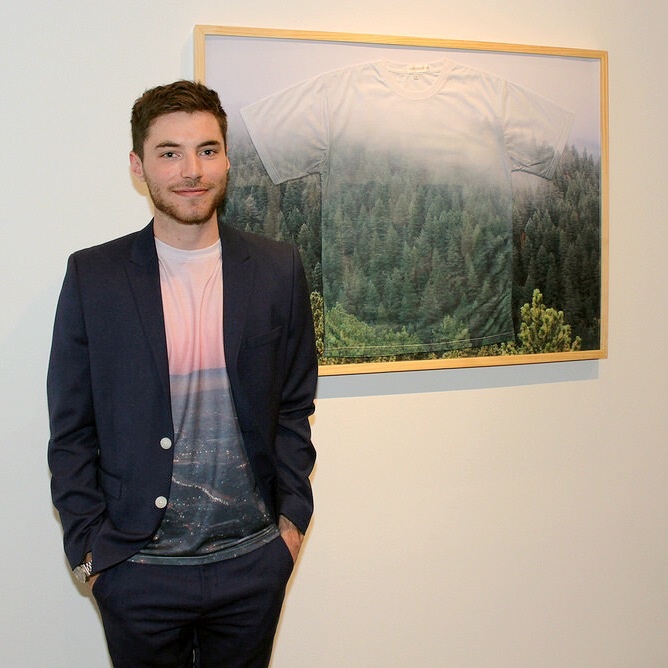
(390, 72)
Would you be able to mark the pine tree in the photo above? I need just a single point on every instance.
(542, 330)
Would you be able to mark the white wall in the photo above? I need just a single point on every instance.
(474, 518)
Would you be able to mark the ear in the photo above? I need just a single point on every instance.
(136, 166)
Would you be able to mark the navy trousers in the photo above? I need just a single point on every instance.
(225, 613)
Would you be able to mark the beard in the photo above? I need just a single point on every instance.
(188, 212)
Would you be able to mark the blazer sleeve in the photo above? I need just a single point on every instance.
(294, 451)
(73, 444)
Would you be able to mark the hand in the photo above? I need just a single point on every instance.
(92, 580)
(292, 536)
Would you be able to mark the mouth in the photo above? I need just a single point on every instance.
(190, 192)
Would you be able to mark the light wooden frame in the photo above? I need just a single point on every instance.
(207, 38)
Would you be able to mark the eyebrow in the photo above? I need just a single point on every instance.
(173, 144)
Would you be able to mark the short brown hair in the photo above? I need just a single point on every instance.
(188, 96)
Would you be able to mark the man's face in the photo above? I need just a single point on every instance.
(185, 167)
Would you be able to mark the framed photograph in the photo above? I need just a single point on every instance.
(449, 199)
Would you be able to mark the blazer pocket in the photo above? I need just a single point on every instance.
(111, 485)
(263, 339)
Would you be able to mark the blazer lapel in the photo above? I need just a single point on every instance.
(237, 285)
(144, 274)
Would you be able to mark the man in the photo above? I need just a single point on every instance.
(181, 380)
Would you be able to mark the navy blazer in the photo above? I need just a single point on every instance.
(108, 388)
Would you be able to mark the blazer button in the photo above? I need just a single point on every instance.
(161, 502)
(165, 443)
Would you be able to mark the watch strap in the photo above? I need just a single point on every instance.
(83, 571)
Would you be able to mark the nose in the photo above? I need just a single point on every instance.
(190, 166)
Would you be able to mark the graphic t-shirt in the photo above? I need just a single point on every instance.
(214, 510)
(415, 164)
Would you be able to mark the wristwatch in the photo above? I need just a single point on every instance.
(83, 571)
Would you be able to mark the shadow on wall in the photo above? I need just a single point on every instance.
(448, 380)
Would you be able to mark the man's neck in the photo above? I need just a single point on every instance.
(183, 235)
